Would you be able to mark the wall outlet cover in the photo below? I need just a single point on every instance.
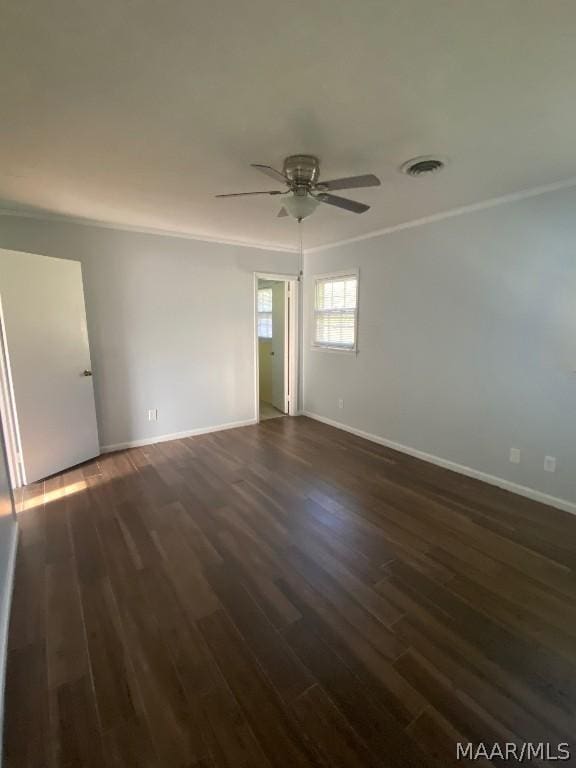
(515, 455)
(340, 403)
(549, 464)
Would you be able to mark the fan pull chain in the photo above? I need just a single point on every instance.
(301, 253)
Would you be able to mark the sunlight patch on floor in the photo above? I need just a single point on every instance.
(57, 493)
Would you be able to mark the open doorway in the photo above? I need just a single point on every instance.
(276, 335)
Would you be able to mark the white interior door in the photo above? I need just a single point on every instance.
(278, 345)
(49, 360)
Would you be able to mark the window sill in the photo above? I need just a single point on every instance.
(326, 348)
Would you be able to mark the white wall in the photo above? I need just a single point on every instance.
(170, 322)
(467, 340)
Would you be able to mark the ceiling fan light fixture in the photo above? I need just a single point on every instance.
(300, 206)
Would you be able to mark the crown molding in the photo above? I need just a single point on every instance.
(462, 210)
(411, 224)
(47, 216)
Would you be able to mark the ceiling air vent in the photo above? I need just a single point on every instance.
(421, 166)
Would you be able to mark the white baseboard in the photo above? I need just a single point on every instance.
(5, 619)
(507, 485)
(176, 435)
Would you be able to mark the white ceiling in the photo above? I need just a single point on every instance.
(136, 112)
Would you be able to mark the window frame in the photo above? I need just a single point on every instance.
(355, 272)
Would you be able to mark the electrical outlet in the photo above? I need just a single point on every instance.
(515, 455)
(549, 464)
(340, 403)
(153, 414)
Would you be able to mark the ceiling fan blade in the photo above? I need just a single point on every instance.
(351, 182)
(281, 213)
(269, 171)
(342, 202)
(242, 194)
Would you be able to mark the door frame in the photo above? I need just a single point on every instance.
(8, 413)
(291, 340)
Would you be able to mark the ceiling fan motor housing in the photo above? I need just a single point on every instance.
(302, 170)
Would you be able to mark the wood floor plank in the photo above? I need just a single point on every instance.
(76, 729)
(326, 725)
(473, 722)
(235, 743)
(288, 676)
(28, 615)
(109, 658)
(370, 627)
(377, 675)
(127, 744)
(487, 685)
(251, 570)
(545, 672)
(66, 650)
(58, 541)
(375, 725)
(438, 737)
(27, 739)
(173, 722)
(284, 594)
(274, 727)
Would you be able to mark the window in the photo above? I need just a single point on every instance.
(264, 313)
(335, 311)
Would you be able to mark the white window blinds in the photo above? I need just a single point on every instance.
(335, 311)
(265, 313)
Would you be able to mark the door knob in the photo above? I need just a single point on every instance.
(87, 373)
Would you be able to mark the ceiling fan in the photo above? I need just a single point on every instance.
(305, 190)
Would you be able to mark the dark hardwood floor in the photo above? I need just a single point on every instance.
(285, 595)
